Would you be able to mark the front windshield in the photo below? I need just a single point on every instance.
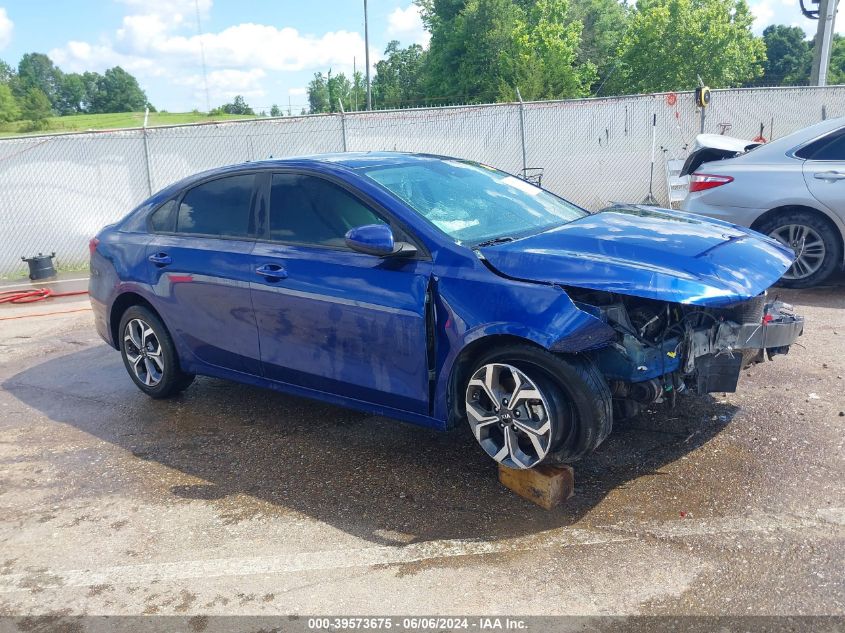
(472, 203)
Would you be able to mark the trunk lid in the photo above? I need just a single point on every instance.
(651, 253)
(712, 147)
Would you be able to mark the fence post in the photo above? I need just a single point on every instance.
(147, 162)
(522, 132)
(342, 122)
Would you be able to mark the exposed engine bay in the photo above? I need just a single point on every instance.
(663, 349)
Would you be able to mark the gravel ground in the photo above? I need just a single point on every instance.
(235, 500)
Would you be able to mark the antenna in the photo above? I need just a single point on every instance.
(202, 57)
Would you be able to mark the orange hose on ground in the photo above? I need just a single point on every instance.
(31, 296)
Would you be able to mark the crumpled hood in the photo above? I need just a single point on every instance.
(652, 253)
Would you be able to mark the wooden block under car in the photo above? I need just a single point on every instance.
(547, 486)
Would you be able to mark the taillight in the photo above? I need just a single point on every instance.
(701, 182)
(92, 245)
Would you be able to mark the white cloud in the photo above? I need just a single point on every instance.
(6, 28)
(297, 92)
(788, 12)
(146, 39)
(763, 14)
(160, 38)
(227, 84)
(406, 25)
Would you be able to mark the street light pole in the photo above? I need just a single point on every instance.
(824, 36)
(367, 57)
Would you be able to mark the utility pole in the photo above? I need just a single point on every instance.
(355, 81)
(367, 57)
(824, 37)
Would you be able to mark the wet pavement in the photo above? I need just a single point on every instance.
(231, 499)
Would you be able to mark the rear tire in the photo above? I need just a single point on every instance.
(149, 354)
(568, 393)
(822, 249)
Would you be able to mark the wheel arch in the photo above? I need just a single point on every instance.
(465, 361)
(793, 208)
(121, 304)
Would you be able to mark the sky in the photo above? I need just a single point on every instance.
(265, 50)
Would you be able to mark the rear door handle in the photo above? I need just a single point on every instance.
(829, 175)
(161, 259)
(272, 271)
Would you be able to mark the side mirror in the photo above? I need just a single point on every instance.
(377, 239)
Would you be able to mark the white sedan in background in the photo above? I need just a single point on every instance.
(792, 189)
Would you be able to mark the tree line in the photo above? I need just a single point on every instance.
(481, 51)
(38, 89)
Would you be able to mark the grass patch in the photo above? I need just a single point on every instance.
(87, 122)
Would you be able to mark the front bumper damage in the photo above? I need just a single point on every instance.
(716, 356)
(691, 349)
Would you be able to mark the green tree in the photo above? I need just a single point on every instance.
(836, 70)
(604, 23)
(36, 70)
(237, 106)
(7, 73)
(275, 110)
(483, 49)
(318, 94)
(398, 77)
(340, 89)
(669, 43)
(788, 56)
(358, 95)
(9, 110)
(35, 107)
(118, 91)
(91, 83)
(71, 94)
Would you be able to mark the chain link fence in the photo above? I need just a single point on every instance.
(57, 191)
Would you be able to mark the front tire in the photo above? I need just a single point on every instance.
(149, 354)
(817, 250)
(526, 406)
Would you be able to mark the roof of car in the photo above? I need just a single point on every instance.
(355, 160)
(348, 160)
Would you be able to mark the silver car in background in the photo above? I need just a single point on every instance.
(792, 189)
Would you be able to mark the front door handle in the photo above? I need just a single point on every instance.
(272, 271)
(161, 259)
(829, 175)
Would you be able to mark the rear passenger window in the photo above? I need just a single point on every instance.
(218, 207)
(830, 147)
(163, 220)
(310, 210)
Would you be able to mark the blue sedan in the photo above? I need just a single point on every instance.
(436, 291)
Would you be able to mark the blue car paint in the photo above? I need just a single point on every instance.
(376, 238)
(345, 322)
(350, 328)
(655, 254)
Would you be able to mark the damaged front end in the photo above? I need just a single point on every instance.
(663, 349)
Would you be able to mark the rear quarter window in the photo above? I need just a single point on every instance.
(829, 147)
(163, 219)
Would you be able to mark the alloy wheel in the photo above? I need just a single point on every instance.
(808, 246)
(509, 415)
(143, 351)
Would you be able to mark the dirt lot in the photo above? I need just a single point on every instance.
(234, 500)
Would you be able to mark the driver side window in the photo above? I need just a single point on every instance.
(312, 211)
